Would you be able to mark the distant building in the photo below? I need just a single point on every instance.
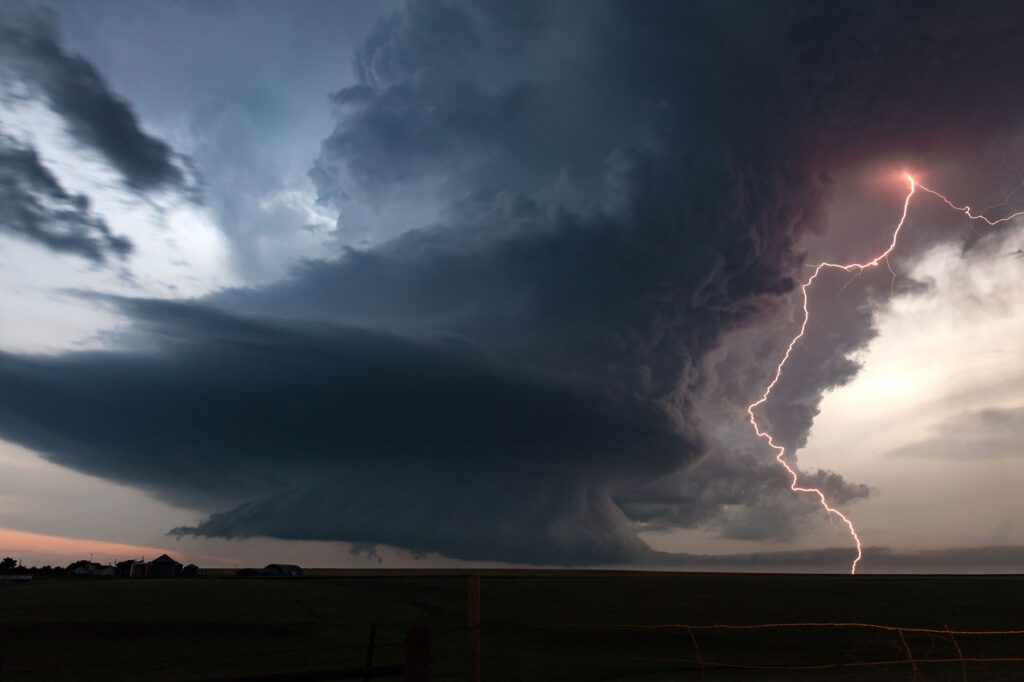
(282, 570)
(161, 567)
(192, 571)
(123, 569)
(90, 569)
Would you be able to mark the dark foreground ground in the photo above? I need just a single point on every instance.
(536, 626)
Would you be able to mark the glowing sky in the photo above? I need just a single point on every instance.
(389, 283)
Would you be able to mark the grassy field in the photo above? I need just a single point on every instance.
(537, 625)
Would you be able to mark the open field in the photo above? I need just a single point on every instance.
(537, 625)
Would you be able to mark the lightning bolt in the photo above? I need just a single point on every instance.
(856, 269)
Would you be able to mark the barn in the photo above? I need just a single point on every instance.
(161, 567)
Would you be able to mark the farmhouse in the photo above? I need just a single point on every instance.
(90, 569)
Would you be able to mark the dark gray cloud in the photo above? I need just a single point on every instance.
(736, 494)
(31, 48)
(304, 420)
(34, 206)
(619, 188)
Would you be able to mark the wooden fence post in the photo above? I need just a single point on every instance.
(417, 654)
(369, 651)
(910, 654)
(474, 628)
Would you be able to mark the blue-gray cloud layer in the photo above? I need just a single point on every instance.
(617, 185)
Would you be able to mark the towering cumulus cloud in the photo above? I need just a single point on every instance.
(599, 195)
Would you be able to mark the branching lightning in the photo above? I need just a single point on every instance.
(856, 269)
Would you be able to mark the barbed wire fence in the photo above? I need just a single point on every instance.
(701, 664)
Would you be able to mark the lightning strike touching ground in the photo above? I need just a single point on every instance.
(856, 268)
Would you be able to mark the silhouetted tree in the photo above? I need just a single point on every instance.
(8, 565)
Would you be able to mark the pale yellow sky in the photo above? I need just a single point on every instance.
(954, 351)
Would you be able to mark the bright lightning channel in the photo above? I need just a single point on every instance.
(857, 268)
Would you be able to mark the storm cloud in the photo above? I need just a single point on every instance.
(31, 52)
(314, 414)
(34, 206)
(615, 191)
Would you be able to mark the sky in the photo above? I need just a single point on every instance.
(455, 283)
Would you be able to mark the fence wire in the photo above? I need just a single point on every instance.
(701, 663)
